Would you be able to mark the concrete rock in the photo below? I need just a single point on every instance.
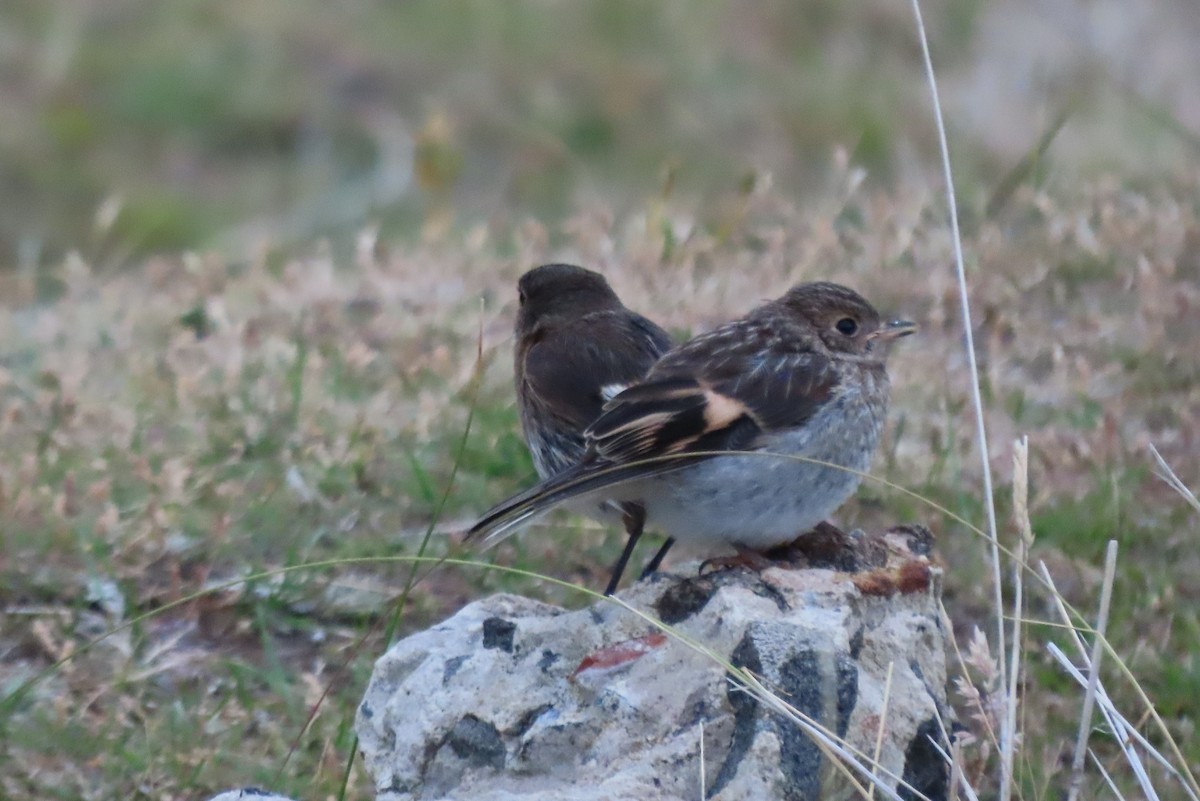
(511, 698)
(248, 794)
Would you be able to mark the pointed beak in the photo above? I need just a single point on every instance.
(895, 329)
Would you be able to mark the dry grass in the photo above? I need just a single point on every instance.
(198, 420)
(171, 424)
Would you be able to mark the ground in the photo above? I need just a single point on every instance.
(223, 445)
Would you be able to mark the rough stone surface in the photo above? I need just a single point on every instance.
(515, 699)
(248, 794)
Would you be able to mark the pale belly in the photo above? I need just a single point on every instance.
(760, 501)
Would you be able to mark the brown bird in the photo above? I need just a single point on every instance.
(578, 347)
(746, 436)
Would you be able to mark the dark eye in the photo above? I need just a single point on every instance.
(847, 326)
(520, 298)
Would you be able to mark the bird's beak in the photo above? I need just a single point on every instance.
(894, 330)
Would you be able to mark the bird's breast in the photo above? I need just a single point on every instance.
(793, 479)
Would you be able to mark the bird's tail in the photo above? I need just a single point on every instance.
(509, 516)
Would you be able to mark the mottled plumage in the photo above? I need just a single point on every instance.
(802, 377)
(577, 347)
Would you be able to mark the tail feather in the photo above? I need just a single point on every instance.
(509, 516)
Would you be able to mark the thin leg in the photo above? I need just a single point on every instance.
(635, 519)
(653, 564)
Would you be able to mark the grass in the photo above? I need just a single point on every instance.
(129, 130)
(146, 458)
(172, 423)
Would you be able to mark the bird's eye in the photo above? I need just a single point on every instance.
(847, 326)
(520, 298)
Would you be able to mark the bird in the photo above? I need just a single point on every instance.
(745, 437)
(578, 346)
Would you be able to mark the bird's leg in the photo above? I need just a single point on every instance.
(653, 564)
(635, 520)
(745, 557)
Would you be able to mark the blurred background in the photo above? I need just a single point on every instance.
(256, 271)
(130, 127)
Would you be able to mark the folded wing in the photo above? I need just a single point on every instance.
(574, 376)
(718, 393)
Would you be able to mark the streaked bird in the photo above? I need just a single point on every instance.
(744, 437)
(578, 346)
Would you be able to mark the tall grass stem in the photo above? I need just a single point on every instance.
(1006, 744)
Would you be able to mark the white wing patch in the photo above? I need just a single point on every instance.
(610, 391)
(721, 410)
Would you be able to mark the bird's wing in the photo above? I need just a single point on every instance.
(718, 392)
(575, 371)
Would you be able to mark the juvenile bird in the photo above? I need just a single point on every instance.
(798, 388)
(577, 346)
